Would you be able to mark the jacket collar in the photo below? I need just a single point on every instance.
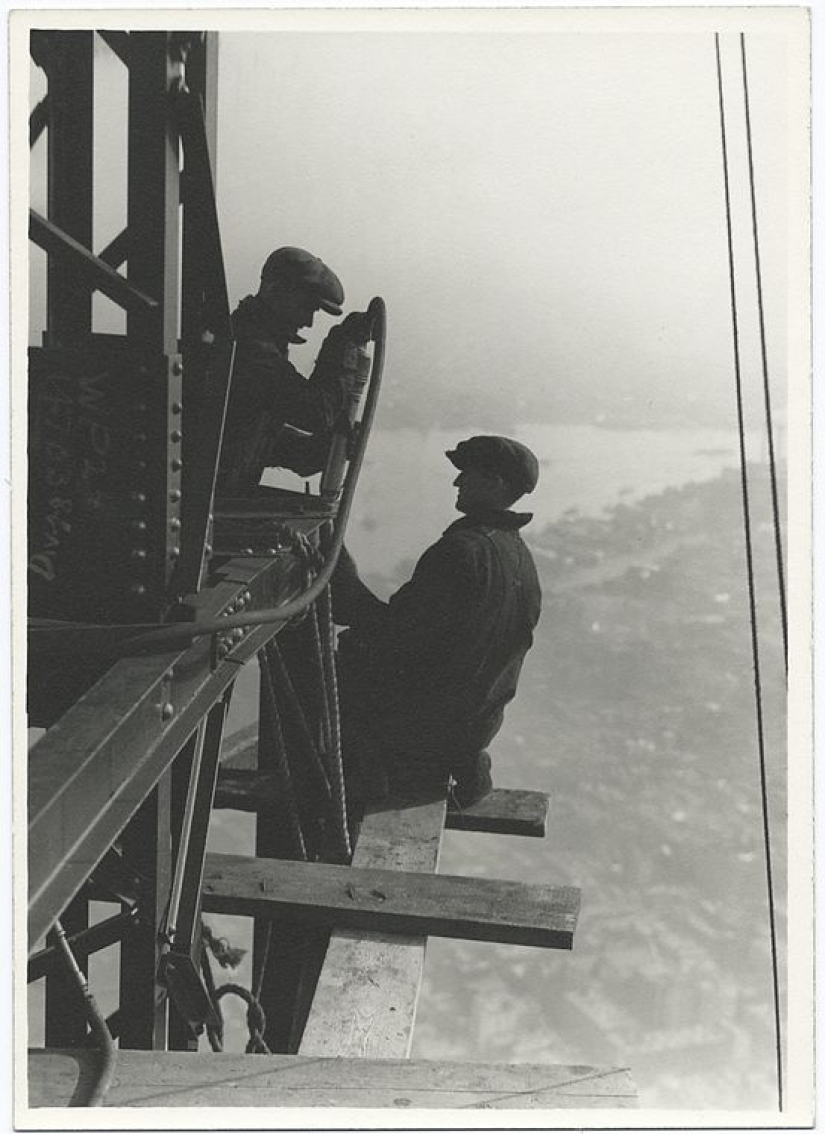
(491, 518)
(250, 320)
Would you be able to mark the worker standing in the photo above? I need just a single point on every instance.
(425, 677)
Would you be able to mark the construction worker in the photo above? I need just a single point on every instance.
(276, 417)
(426, 676)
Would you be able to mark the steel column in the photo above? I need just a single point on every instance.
(70, 75)
(147, 847)
(153, 193)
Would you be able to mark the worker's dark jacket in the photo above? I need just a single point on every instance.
(270, 401)
(427, 676)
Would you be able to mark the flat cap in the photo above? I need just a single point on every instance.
(511, 460)
(300, 266)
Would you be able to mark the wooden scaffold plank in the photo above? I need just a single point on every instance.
(367, 991)
(393, 901)
(167, 1079)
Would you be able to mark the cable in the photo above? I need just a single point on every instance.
(780, 569)
(108, 1053)
(751, 587)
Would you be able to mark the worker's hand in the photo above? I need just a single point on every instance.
(357, 326)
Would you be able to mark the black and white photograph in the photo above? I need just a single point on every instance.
(412, 638)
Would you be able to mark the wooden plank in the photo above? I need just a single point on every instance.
(173, 1079)
(393, 901)
(367, 991)
(503, 812)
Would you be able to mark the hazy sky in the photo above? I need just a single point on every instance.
(542, 209)
(536, 209)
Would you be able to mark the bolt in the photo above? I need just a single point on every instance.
(167, 711)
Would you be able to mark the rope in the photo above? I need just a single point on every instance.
(281, 763)
(284, 686)
(108, 1053)
(322, 704)
(228, 956)
(751, 586)
(780, 569)
(255, 1017)
(335, 765)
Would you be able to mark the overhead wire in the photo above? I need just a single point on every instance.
(754, 628)
(780, 569)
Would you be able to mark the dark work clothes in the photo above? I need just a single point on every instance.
(276, 417)
(425, 677)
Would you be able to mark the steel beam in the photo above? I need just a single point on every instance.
(91, 771)
(94, 271)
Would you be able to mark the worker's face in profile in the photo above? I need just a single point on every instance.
(478, 490)
(290, 307)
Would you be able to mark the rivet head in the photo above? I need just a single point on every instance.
(223, 649)
(176, 436)
(138, 589)
(176, 464)
(141, 407)
(174, 524)
(138, 555)
(138, 525)
(176, 408)
(174, 495)
(247, 551)
(140, 466)
(138, 497)
(141, 438)
(247, 596)
(177, 368)
(207, 551)
(174, 553)
(167, 711)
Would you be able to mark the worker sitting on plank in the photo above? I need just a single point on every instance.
(275, 416)
(426, 676)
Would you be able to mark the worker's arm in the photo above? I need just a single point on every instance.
(264, 381)
(353, 603)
